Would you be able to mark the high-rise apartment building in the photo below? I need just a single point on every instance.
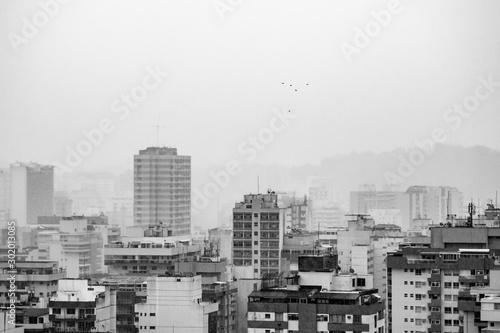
(32, 192)
(439, 289)
(257, 235)
(162, 189)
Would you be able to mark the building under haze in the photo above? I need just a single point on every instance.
(431, 202)
(31, 192)
(257, 235)
(162, 189)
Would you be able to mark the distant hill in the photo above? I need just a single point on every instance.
(474, 170)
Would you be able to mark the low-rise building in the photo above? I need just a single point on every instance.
(317, 300)
(174, 303)
(35, 281)
(81, 307)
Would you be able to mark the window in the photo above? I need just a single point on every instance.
(405, 295)
(456, 323)
(152, 327)
(456, 285)
(293, 316)
(435, 284)
(356, 319)
(56, 311)
(361, 282)
(450, 256)
(455, 311)
(447, 298)
(447, 309)
(435, 309)
(418, 297)
(447, 322)
(152, 314)
(406, 283)
(497, 306)
(406, 307)
(267, 316)
(70, 311)
(447, 285)
(418, 272)
(338, 319)
(321, 317)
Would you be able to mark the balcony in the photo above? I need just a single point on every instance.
(434, 315)
(435, 302)
(469, 305)
(36, 277)
(434, 291)
(435, 327)
(434, 278)
(86, 318)
(473, 279)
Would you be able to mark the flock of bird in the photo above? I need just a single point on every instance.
(292, 85)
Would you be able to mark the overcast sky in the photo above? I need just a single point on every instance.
(225, 77)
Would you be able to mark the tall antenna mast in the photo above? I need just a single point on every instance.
(258, 185)
(158, 132)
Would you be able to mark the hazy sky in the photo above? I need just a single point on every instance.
(225, 77)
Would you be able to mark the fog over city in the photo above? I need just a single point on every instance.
(226, 68)
(249, 166)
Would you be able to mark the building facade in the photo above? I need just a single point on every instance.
(149, 255)
(31, 192)
(162, 189)
(174, 303)
(317, 300)
(257, 235)
(80, 307)
(34, 280)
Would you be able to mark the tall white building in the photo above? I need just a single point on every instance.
(32, 192)
(257, 235)
(431, 202)
(162, 189)
(174, 304)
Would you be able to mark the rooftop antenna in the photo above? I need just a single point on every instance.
(258, 185)
(496, 199)
(158, 132)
